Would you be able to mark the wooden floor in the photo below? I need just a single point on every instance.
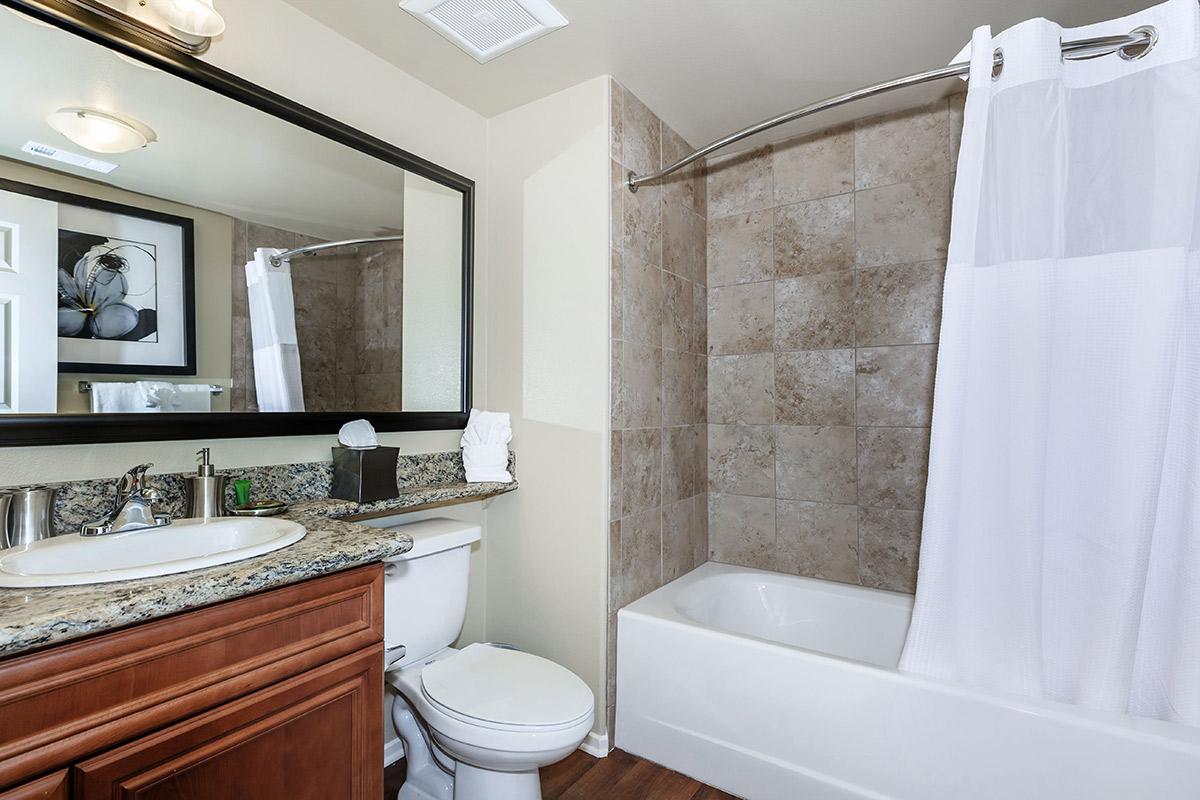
(582, 777)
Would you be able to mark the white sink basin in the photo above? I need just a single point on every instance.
(185, 544)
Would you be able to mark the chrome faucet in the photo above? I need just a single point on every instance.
(134, 507)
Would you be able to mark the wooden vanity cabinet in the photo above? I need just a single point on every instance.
(274, 695)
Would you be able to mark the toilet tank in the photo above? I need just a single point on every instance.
(425, 590)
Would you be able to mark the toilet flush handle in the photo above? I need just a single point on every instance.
(393, 654)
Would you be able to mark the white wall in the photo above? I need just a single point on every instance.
(431, 322)
(547, 363)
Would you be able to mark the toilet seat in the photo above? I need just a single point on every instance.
(504, 689)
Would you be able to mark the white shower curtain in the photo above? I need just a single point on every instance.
(278, 385)
(1061, 547)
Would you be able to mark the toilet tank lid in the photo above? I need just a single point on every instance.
(436, 535)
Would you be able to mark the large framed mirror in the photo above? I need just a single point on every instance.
(186, 255)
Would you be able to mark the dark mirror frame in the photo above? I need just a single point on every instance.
(44, 429)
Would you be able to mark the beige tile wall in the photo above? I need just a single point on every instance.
(659, 508)
(825, 262)
(348, 322)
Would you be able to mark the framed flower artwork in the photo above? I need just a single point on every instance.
(126, 294)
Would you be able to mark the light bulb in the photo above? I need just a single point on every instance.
(194, 17)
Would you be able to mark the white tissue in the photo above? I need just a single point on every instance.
(358, 435)
(485, 447)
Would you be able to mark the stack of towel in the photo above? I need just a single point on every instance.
(485, 447)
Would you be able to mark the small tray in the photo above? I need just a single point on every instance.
(262, 508)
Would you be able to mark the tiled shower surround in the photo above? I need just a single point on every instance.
(348, 322)
(659, 509)
(826, 255)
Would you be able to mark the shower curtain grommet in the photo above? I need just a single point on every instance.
(1133, 52)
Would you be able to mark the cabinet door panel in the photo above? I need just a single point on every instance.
(50, 787)
(313, 737)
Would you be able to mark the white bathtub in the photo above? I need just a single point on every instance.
(773, 687)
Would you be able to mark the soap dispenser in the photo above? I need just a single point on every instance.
(206, 490)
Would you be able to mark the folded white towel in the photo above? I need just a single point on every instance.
(113, 397)
(192, 397)
(485, 446)
(166, 398)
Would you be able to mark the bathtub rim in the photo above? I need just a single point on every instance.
(659, 607)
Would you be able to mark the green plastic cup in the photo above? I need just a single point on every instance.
(241, 490)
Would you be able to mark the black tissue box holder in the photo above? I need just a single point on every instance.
(365, 475)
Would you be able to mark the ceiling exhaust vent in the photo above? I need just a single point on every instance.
(67, 157)
(487, 28)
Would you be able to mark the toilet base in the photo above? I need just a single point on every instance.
(473, 783)
(426, 780)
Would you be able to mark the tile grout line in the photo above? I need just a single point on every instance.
(858, 543)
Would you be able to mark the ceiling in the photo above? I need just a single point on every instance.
(706, 67)
(262, 169)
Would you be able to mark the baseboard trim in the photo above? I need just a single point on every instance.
(393, 751)
(596, 744)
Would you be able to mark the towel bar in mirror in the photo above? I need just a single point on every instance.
(85, 387)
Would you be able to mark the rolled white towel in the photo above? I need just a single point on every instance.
(485, 447)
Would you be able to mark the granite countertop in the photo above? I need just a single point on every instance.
(34, 618)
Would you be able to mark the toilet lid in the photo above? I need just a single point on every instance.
(507, 687)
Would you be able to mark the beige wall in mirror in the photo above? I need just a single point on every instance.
(375, 327)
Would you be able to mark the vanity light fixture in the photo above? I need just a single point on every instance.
(185, 26)
(136, 62)
(101, 131)
(193, 17)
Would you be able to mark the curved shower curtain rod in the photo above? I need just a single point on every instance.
(1131, 46)
(287, 255)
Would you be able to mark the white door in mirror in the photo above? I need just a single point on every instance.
(184, 545)
(28, 326)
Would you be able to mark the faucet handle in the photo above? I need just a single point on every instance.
(135, 478)
(133, 481)
(133, 508)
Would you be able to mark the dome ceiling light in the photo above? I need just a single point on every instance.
(101, 131)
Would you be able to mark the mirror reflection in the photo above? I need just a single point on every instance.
(167, 249)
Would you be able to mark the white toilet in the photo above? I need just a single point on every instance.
(478, 722)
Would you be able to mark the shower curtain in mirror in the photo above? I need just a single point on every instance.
(278, 385)
(1061, 549)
